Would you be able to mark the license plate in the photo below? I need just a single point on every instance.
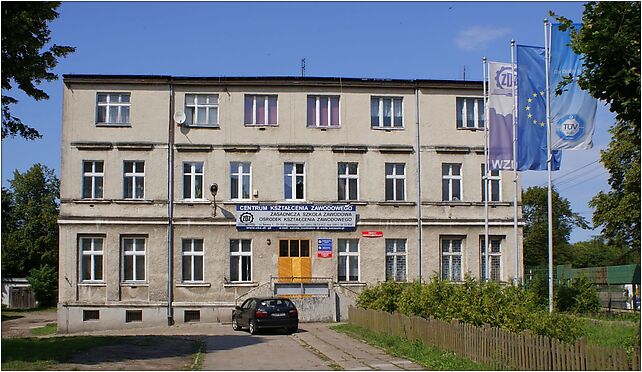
(278, 314)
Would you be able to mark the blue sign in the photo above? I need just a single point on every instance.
(324, 248)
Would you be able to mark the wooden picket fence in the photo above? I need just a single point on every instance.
(497, 348)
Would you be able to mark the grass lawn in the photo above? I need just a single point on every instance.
(612, 333)
(429, 357)
(49, 329)
(40, 353)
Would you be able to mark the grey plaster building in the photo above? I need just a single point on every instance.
(181, 196)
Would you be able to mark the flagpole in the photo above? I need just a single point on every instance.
(514, 85)
(486, 167)
(549, 164)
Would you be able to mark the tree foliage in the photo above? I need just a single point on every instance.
(24, 34)
(535, 201)
(596, 252)
(29, 222)
(44, 282)
(610, 43)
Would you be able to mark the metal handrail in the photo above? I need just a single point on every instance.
(250, 291)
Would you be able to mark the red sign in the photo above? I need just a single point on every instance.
(372, 234)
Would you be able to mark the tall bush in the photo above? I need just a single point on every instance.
(44, 283)
(578, 295)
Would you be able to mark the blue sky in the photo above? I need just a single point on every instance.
(350, 39)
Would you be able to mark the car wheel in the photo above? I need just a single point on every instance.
(292, 330)
(253, 329)
(235, 325)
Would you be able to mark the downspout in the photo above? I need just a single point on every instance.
(170, 207)
(418, 183)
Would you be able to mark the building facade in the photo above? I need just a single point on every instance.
(181, 196)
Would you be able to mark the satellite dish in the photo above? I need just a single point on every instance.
(179, 117)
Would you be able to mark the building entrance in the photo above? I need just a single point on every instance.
(294, 260)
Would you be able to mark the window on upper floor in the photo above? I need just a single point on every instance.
(261, 109)
(201, 110)
(386, 112)
(470, 112)
(323, 111)
(395, 181)
(112, 108)
(193, 180)
(451, 182)
(494, 181)
(348, 182)
(133, 179)
(92, 179)
(240, 180)
(294, 181)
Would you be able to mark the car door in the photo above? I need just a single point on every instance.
(247, 310)
(242, 316)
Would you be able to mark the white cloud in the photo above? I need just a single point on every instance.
(478, 37)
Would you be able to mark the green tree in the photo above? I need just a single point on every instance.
(535, 201)
(24, 34)
(610, 43)
(596, 252)
(30, 211)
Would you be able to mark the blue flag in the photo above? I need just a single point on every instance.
(572, 112)
(532, 146)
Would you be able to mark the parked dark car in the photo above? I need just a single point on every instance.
(263, 313)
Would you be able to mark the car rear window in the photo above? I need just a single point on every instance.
(276, 303)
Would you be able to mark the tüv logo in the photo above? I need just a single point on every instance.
(570, 128)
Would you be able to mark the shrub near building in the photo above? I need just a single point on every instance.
(479, 303)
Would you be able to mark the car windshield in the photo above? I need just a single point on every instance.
(276, 303)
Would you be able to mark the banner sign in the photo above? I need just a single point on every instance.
(500, 115)
(372, 234)
(296, 217)
(324, 248)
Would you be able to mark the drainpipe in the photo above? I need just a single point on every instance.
(418, 183)
(170, 207)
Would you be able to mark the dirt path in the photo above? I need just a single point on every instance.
(20, 323)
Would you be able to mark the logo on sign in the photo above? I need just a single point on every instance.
(246, 218)
(503, 81)
(570, 128)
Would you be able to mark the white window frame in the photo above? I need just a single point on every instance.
(350, 256)
(190, 255)
(346, 177)
(207, 105)
(132, 178)
(93, 175)
(240, 254)
(293, 176)
(394, 255)
(380, 124)
(134, 253)
(239, 176)
(266, 108)
(494, 256)
(317, 120)
(450, 254)
(192, 174)
(108, 104)
(450, 177)
(491, 178)
(92, 253)
(464, 118)
(394, 177)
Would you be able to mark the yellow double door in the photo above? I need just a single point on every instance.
(294, 260)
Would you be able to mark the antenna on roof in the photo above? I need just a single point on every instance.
(303, 67)
(464, 72)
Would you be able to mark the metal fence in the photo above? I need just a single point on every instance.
(497, 348)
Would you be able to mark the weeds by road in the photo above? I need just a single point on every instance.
(49, 329)
(429, 357)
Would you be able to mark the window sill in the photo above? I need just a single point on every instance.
(241, 284)
(324, 128)
(353, 202)
(92, 201)
(387, 129)
(92, 284)
(114, 125)
(234, 202)
(192, 202)
(261, 126)
(193, 284)
(472, 129)
(351, 284)
(134, 285)
(132, 201)
(201, 126)
(397, 203)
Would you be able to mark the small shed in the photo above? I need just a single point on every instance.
(17, 293)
